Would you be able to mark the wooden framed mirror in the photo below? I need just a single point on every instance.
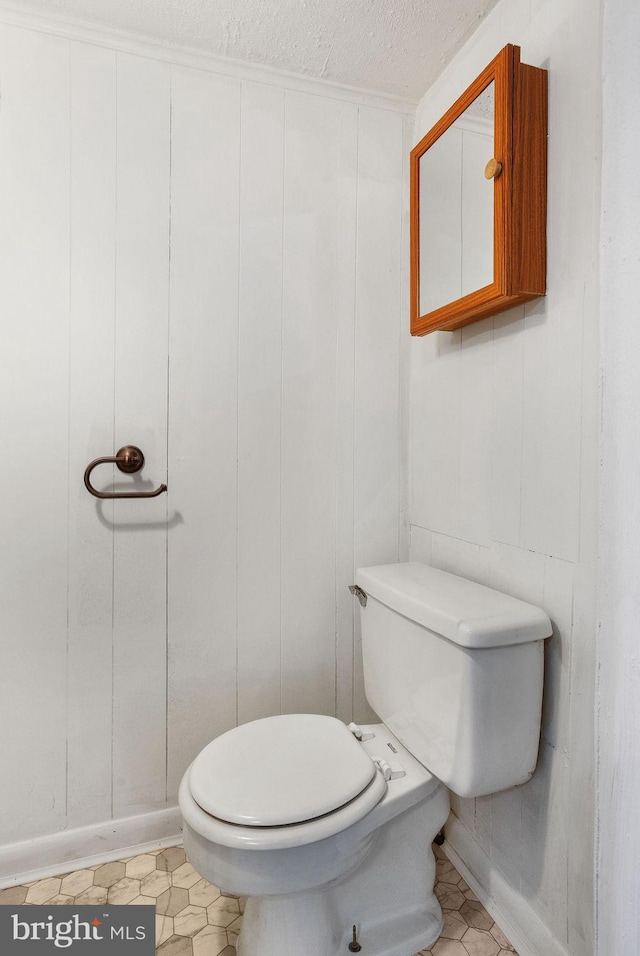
(478, 200)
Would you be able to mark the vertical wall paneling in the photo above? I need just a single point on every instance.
(546, 807)
(210, 269)
(421, 545)
(504, 434)
(203, 413)
(581, 772)
(404, 368)
(476, 412)
(552, 427)
(590, 423)
(346, 606)
(471, 560)
(260, 400)
(506, 426)
(379, 293)
(558, 599)
(34, 383)
(142, 256)
(435, 417)
(312, 169)
(91, 396)
(617, 835)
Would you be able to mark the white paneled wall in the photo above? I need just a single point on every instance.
(90, 555)
(209, 268)
(504, 470)
(34, 386)
(203, 413)
(618, 680)
(140, 418)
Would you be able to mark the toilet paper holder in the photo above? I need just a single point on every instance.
(129, 459)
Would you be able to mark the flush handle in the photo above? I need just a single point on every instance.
(359, 593)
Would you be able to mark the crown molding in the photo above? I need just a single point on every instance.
(13, 15)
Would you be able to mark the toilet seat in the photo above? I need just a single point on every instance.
(280, 771)
(251, 774)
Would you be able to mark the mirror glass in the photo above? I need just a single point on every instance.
(456, 208)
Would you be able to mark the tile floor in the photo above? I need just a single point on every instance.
(468, 929)
(193, 918)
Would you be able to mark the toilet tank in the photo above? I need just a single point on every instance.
(454, 669)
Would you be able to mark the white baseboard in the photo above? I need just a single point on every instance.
(69, 850)
(515, 917)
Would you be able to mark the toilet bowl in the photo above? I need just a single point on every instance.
(327, 829)
(364, 862)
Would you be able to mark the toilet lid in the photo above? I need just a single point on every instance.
(280, 770)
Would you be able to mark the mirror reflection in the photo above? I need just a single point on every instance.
(456, 208)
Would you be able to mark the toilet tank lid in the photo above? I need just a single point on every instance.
(467, 613)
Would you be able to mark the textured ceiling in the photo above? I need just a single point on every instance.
(392, 46)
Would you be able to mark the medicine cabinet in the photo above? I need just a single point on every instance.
(478, 200)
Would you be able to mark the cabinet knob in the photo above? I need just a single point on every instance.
(493, 169)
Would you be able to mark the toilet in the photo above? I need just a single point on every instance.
(327, 828)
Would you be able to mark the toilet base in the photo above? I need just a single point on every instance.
(389, 898)
(309, 928)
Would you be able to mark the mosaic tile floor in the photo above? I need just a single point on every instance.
(193, 918)
(468, 929)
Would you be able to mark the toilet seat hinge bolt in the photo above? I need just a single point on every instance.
(354, 945)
